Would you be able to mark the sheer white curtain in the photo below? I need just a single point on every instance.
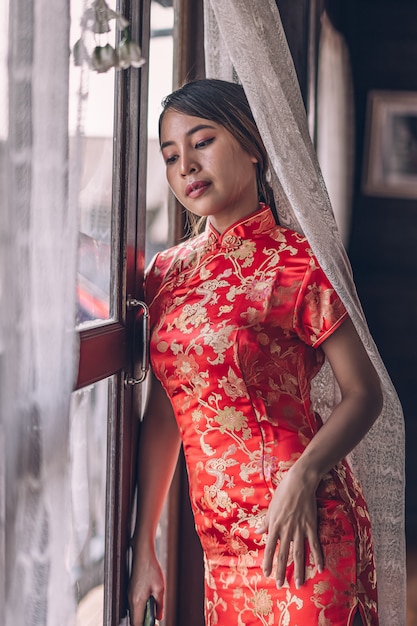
(3, 180)
(248, 36)
(38, 353)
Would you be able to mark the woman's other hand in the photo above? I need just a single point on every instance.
(147, 579)
(159, 444)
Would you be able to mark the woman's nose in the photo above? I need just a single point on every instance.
(188, 166)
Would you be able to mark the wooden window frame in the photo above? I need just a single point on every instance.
(108, 349)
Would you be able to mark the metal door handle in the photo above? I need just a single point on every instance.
(141, 341)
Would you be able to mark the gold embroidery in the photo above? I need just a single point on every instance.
(225, 320)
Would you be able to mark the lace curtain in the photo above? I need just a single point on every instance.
(246, 39)
(38, 235)
(3, 178)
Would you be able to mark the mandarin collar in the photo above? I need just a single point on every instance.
(256, 223)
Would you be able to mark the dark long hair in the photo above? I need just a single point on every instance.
(226, 104)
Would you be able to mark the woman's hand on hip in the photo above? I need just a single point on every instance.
(291, 519)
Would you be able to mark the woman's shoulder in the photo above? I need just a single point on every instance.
(165, 259)
(294, 244)
(172, 260)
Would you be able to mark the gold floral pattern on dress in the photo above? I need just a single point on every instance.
(236, 326)
(233, 385)
(262, 602)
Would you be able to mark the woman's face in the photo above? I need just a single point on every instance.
(207, 170)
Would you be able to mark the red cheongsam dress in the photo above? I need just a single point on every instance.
(236, 325)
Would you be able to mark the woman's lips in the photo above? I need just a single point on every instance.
(196, 189)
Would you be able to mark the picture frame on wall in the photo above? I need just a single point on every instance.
(390, 155)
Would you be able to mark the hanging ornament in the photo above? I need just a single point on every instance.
(100, 55)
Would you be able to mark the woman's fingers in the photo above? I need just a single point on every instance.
(138, 597)
(282, 546)
(316, 549)
(282, 561)
(299, 560)
(137, 610)
(290, 524)
(136, 613)
(159, 599)
(269, 552)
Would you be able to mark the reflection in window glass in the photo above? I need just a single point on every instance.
(88, 445)
(91, 116)
(160, 85)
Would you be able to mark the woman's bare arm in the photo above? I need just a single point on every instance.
(157, 457)
(292, 514)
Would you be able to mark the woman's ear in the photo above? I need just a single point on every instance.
(254, 159)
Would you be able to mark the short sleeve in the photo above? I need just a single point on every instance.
(318, 310)
(164, 266)
(152, 280)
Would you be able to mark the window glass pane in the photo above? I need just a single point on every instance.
(89, 417)
(160, 85)
(91, 122)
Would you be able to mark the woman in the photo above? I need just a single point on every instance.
(242, 318)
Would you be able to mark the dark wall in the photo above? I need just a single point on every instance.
(295, 21)
(382, 37)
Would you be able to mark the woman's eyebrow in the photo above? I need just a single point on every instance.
(190, 132)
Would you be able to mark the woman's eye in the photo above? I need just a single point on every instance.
(171, 159)
(204, 143)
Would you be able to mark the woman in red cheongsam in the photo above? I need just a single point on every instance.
(242, 318)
